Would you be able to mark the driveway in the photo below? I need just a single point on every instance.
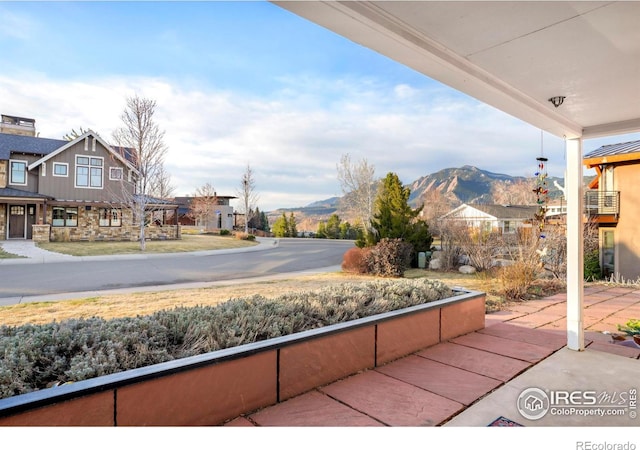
(45, 277)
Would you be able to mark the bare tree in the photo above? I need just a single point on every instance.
(517, 192)
(435, 205)
(248, 196)
(141, 134)
(203, 205)
(359, 188)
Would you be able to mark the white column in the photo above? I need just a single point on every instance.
(575, 245)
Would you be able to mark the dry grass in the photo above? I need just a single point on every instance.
(188, 243)
(143, 303)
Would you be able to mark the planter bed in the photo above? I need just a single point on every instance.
(212, 388)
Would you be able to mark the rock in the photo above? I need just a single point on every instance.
(467, 269)
(435, 264)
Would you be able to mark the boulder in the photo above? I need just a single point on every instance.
(435, 264)
(467, 269)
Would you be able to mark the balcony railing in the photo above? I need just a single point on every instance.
(599, 203)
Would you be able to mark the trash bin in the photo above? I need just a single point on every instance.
(422, 260)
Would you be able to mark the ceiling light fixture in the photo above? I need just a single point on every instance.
(557, 101)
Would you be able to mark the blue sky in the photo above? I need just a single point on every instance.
(248, 82)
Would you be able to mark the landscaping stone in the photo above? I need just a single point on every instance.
(435, 264)
(467, 269)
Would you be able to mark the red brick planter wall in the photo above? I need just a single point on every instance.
(213, 388)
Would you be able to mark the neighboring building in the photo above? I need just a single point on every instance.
(503, 218)
(221, 215)
(613, 201)
(61, 190)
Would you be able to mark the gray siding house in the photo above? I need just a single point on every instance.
(57, 190)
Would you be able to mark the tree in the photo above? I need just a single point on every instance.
(73, 134)
(141, 134)
(280, 226)
(516, 192)
(292, 226)
(248, 196)
(202, 207)
(395, 219)
(393, 215)
(359, 188)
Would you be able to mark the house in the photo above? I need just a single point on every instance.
(58, 190)
(613, 202)
(503, 218)
(220, 215)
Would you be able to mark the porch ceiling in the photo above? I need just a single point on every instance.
(513, 55)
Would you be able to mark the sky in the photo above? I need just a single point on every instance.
(248, 83)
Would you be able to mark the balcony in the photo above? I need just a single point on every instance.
(602, 206)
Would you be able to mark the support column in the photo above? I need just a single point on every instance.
(575, 245)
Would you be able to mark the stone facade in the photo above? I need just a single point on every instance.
(41, 233)
(3, 221)
(3, 174)
(89, 229)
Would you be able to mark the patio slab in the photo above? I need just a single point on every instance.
(392, 402)
(506, 347)
(312, 409)
(474, 360)
(447, 381)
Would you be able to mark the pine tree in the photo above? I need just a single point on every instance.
(292, 226)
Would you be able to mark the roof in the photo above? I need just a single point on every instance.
(507, 212)
(18, 193)
(27, 144)
(623, 148)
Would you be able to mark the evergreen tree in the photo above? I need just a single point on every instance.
(332, 228)
(322, 231)
(292, 226)
(264, 221)
(396, 219)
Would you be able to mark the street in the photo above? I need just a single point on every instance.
(290, 255)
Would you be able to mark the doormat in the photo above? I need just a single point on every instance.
(504, 422)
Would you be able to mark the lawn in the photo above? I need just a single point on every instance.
(188, 243)
(5, 255)
(143, 303)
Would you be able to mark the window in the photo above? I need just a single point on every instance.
(64, 217)
(89, 172)
(60, 169)
(110, 217)
(115, 173)
(18, 172)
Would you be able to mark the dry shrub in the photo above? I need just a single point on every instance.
(355, 260)
(390, 258)
(245, 236)
(515, 279)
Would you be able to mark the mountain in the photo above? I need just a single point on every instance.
(466, 184)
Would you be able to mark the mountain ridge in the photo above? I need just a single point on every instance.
(457, 185)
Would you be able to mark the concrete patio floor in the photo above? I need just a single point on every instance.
(477, 378)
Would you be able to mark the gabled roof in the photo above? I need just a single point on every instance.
(502, 212)
(80, 138)
(27, 144)
(624, 151)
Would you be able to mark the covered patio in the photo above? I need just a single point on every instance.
(571, 69)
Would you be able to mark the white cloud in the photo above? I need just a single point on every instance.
(293, 138)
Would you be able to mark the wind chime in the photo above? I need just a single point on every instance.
(541, 190)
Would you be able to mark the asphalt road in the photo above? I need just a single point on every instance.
(19, 282)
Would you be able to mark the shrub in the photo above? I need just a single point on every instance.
(592, 270)
(390, 258)
(245, 237)
(355, 260)
(515, 279)
(36, 356)
(224, 232)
